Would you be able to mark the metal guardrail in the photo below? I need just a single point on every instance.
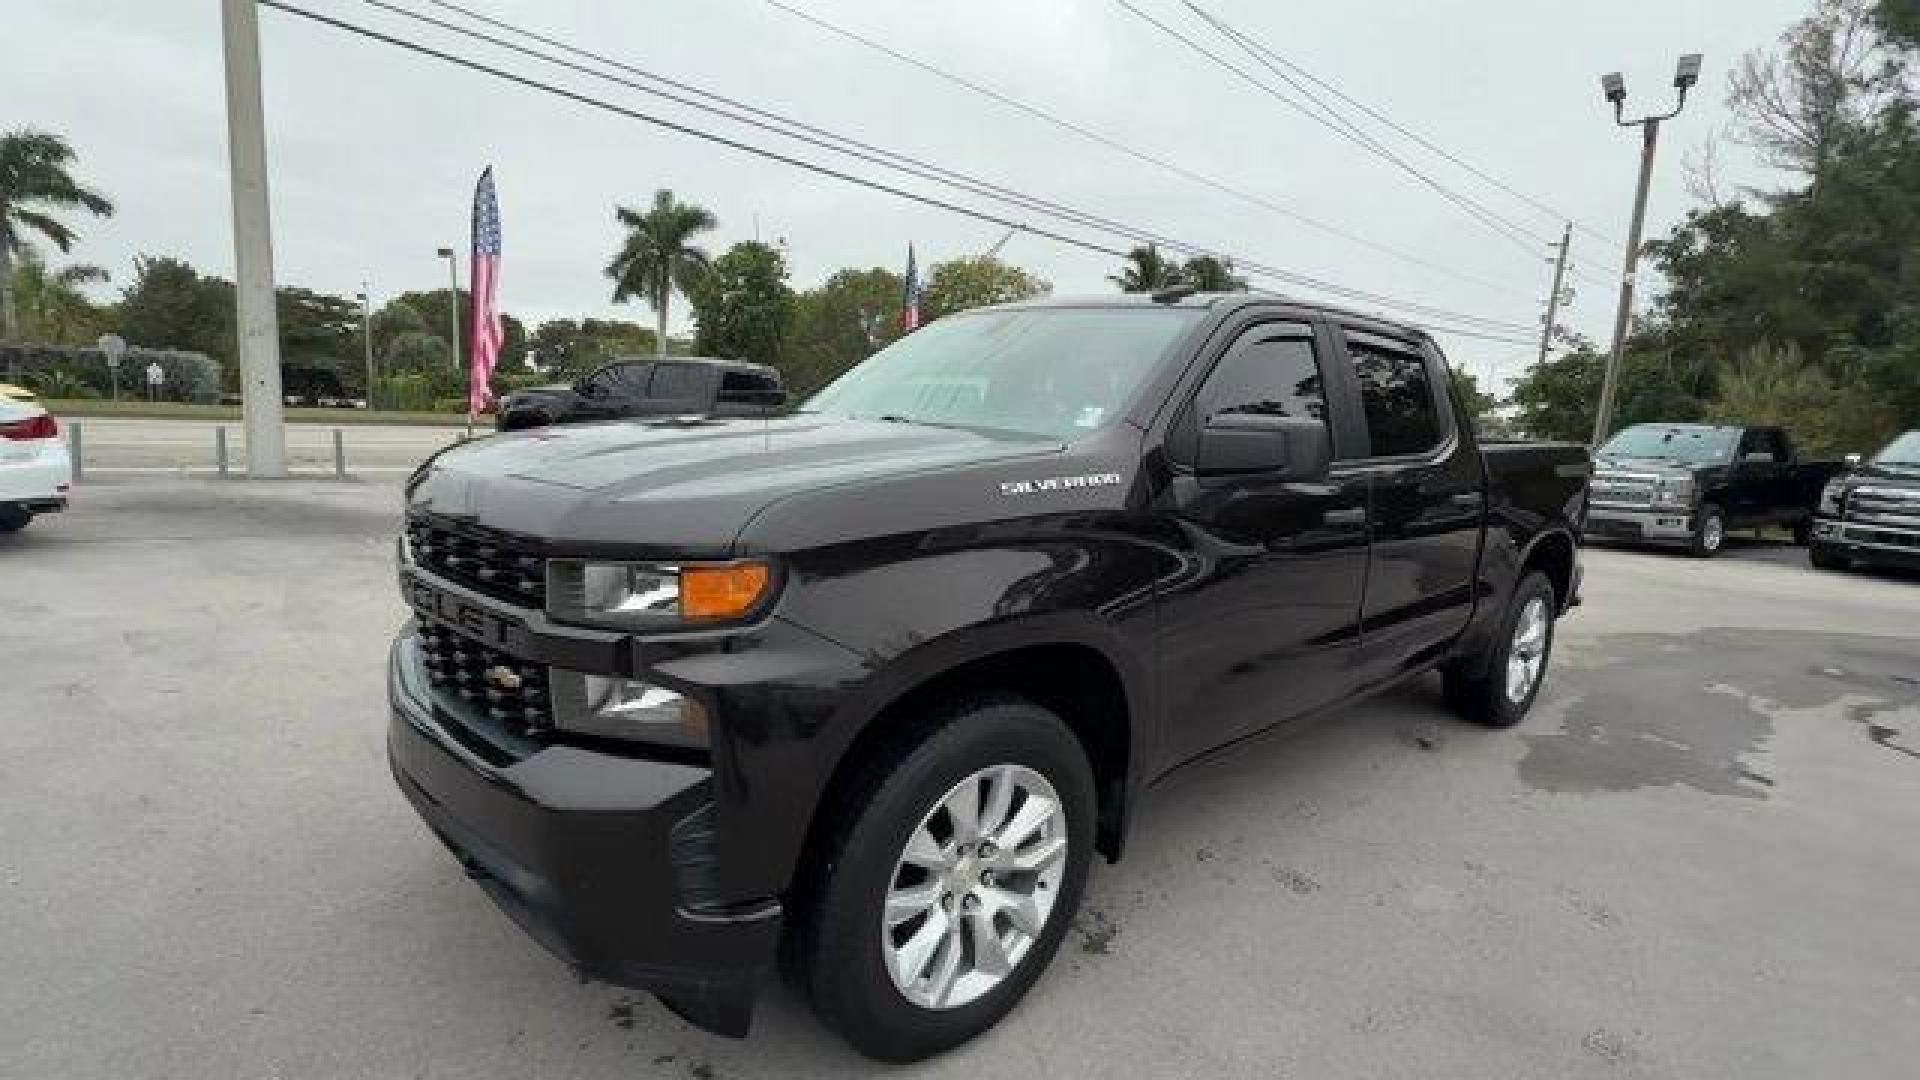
(221, 456)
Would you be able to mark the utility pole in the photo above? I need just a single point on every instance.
(366, 335)
(1553, 298)
(255, 320)
(1684, 77)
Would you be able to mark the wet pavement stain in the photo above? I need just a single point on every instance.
(1686, 710)
(1097, 932)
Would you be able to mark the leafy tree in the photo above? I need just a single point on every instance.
(1775, 385)
(1557, 399)
(743, 306)
(1466, 389)
(851, 316)
(572, 348)
(960, 284)
(1210, 274)
(1147, 271)
(169, 305)
(35, 185)
(1832, 77)
(656, 256)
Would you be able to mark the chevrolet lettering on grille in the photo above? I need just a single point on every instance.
(444, 607)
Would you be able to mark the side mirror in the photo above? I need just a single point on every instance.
(1853, 461)
(1281, 447)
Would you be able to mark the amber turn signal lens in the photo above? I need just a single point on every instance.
(726, 591)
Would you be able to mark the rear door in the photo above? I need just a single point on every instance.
(1427, 489)
(1762, 477)
(1264, 624)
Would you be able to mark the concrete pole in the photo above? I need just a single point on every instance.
(1603, 419)
(366, 335)
(1553, 298)
(257, 324)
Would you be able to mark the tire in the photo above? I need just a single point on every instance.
(1822, 557)
(1488, 699)
(849, 945)
(13, 519)
(1709, 532)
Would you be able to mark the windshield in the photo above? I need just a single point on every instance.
(1054, 373)
(1687, 445)
(1903, 452)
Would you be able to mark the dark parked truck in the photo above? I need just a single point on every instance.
(687, 386)
(1687, 484)
(869, 686)
(1872, 513)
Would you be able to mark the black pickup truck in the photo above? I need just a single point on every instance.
(1687, 484)
(869, 685)
(683, 386)
(1871, 514)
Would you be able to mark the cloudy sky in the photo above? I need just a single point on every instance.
(373, 151)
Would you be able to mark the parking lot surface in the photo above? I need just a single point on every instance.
(1697, 857)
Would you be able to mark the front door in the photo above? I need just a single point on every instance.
(1263, 624)
(1428, 485)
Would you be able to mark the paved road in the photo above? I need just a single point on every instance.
(1696, 859)
(117, 446)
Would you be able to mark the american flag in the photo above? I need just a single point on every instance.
(485, 334)
(910, 303)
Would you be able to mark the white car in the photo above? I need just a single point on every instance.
(35, 471)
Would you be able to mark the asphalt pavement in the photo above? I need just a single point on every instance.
(1696, 859)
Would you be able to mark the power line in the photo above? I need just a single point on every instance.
(1515, 234)
(1429, 144)
(1135, 153)
(824, 139)
(743, 147)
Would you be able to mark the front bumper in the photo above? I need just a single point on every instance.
(591, 853)
(1868, 543)
(1658, 526)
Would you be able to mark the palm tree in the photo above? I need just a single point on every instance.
(34, 185)
(49, 305)
(655, 259)
(1211, 274)
(1146, 271)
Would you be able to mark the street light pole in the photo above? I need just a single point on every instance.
(366, 335)
(1684, 77)
(453, 302)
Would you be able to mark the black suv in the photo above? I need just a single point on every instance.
(880, 678)
(684, 386)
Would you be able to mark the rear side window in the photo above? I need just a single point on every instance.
(1397, 393)
(678, 382)
(1270, 375)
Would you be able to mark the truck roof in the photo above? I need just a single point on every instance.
(1178, 298)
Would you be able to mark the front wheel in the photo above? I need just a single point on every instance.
(1823, 557)
(949, 880)
(1518, 664)
(1709, 532)
(13, 519)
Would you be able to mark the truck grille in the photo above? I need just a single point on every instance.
(1893, 507)
(1621, 489)
(511, 691)
(486, 560)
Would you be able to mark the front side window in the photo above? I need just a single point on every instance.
(1272, 376)
(1051, 373)
(1402, 415)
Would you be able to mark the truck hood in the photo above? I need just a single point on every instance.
(679, 487)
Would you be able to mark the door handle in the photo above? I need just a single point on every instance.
(1352, 516)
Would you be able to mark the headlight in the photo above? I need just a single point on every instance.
(1830, 497)
(1673, 491)
(650, 596)
(631, 709)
